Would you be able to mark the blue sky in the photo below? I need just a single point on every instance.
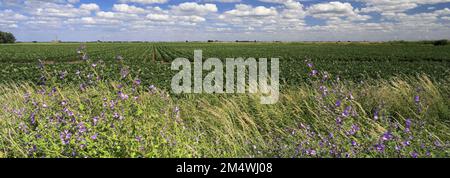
(266, 20)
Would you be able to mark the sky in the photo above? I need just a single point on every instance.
(227, 20)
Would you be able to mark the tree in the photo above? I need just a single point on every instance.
(6, 37)
(440, 43)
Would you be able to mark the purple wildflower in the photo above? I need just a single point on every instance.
(122, 95)
(375, 115)
(311, 152)
(112, 104)
(53, 90)
(23, 127)
(137, 82)
(81, 127)
(417, 99)
(42, 92)
(437, 143)
(338, 121)
(338, 103)
(387, 136)
(406, 143)
(331, 135)
(379, 147)
(138, 138)
(313, 73)
(26, 97)
(32, 118)
(324, 90)
(94, 137)
(346, 112)
(117, 116)
(95, 119)
(414, 154)
(19, 112)
(65, 137)
(353, 130)
(407, 125)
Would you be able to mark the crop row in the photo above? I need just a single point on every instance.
(151, 61)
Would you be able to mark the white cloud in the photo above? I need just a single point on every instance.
(248, 19)
(194, 8)
(128, 9)
(223, 1)
(395, 6)
(90, 7)
(47, 9)
(10, 19)
(11, 15)
(280, 19)
(117, 16)
(445, 11)
(73, 1)
(144, 1)
(158, 17)
(242, 10)
(106, 14)
(335, 9)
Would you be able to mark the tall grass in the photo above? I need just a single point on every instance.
(401, 117)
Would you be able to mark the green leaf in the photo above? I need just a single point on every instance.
(81, 107)
(139, 112)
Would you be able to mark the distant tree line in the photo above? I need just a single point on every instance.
(6, 37)
(442, 42)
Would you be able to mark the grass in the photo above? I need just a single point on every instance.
(124, 119)
(90, 111)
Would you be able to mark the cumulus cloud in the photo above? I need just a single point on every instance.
(48, 9)
(389, 6)
(194, 8)
(73, 1)
(90, 7)
(335, 9)
(128, 9)
(260, 19)
(223, 1)
(144, 1)
(10, 19)
(158, 17)
(242, 10)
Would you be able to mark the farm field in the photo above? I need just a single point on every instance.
(353, 61)
(114, 100)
